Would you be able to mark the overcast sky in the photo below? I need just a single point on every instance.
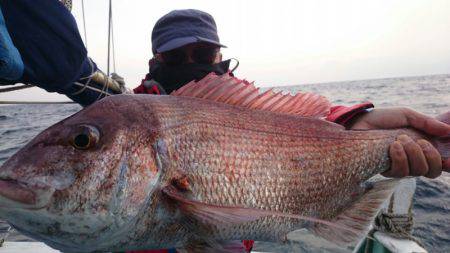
(284, 42)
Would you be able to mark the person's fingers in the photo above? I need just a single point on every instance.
(399, 161)
(418, 165)
(432, 157)
(426, 124)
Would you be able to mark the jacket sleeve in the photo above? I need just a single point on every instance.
(344, 115)
(46, 35)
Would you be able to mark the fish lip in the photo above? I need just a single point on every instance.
(13, 190)
(19, 195)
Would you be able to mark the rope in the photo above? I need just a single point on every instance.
(84, 24)
(88, 77)
(21, 87)
(67, 4)
(86, 84)
(395, 225)
(112, 42)
(102, 92)
(104, 87)
(109, 37)
(109, 50)
(83, 87)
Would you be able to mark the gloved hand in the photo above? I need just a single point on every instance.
(150, 87)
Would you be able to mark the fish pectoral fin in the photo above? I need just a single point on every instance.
(358, 216)
(213, 247)
(212, 214)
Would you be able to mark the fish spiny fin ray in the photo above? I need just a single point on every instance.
(215, 214)
(358, 216)
(231, 90)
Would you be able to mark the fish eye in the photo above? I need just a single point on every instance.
(85, 137)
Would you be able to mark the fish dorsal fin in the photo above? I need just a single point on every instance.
(230, 90)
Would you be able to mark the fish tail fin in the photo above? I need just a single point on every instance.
(358, 216)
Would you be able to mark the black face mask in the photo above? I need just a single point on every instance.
(173, 77)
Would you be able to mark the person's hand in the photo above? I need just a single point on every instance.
(409, 157)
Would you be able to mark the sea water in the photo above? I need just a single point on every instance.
(427, 94)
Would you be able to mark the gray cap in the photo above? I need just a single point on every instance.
(181, 27)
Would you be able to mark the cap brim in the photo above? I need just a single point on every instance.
(179, 42)
(201, 39)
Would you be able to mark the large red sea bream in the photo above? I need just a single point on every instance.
(215, 163)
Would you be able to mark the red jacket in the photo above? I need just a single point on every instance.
(342, 115)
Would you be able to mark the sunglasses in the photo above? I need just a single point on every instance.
(203, 55)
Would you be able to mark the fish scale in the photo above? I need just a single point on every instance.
(270, 153)
(172, 171)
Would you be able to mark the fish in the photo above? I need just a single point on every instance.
(213, 163)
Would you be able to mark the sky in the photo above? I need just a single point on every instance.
(282, 42)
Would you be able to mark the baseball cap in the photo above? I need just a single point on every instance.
(181, 27)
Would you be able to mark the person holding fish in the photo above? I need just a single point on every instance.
(150, 172)
(186, 47)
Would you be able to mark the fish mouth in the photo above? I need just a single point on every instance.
(15, 192)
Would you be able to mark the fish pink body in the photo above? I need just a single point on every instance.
(166, 171)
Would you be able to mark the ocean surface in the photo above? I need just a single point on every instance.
(427, 94)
